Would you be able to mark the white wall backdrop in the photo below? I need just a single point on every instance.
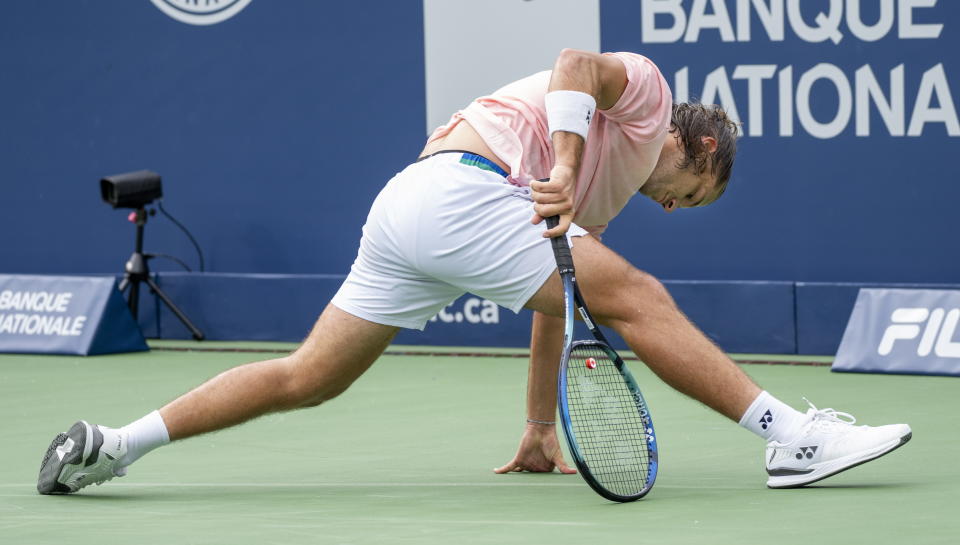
(473, 47)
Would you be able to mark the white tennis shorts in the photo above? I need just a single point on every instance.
(442, 228)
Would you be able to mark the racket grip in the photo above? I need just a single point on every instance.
(561, 250)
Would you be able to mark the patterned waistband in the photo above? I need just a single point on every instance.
(473, 160)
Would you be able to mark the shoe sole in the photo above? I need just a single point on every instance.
(53, 467)
(804, 480)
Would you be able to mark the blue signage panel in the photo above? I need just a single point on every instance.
(738, 316)
(65, 315)
(273, 124)
(472, 321)
(902, 331)
(849, 115)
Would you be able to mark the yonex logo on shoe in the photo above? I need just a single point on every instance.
(806, 452)
(766, 419)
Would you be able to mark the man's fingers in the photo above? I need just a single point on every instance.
(560, 229)
(561, 464)
(547, 186)
(550, 198)
(532, 466)
(555, 232)
(545, 210)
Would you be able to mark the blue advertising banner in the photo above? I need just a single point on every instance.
(902, 331)
(275, 124)
(740, 317)
(848, 112)
(65, 315)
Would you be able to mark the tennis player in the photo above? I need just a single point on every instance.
(467, 217)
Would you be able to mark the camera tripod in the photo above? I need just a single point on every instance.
(136, 271)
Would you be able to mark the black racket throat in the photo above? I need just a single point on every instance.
(585, 315)
(564, 257)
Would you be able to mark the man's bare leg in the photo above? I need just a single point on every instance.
(638, 307)
(340, 348)
(801, 448)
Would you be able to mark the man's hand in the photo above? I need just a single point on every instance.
(539, 452)
(554, 197)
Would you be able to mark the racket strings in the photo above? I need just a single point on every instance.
(610, 431)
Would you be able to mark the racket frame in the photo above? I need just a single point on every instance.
(573, 302)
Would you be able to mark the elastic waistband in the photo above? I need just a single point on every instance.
(471, 159)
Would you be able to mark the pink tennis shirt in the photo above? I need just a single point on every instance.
(622, 147)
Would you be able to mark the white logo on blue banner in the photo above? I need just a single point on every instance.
(65, 315)
(208, 12)
(828, 97)
(902, 331)
(473, 310)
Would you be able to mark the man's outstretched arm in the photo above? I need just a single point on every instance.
(539, 449)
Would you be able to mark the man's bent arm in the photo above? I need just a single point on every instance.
(603, 78)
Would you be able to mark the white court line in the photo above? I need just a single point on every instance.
(380, 485)
(437, 521)
(315, 485)
(347, 520)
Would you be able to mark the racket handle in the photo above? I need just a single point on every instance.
(561, 250)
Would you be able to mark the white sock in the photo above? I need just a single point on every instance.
(772, 419)
(143, 436)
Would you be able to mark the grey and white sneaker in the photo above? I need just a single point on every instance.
(86, 454)
(828, 444)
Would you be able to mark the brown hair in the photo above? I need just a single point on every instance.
(691, 121)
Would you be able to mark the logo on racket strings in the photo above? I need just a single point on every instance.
(208, 12)
(591, 363)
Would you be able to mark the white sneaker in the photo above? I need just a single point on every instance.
(83, 456)
(828, 444)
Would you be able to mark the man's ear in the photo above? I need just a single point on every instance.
(709, 144)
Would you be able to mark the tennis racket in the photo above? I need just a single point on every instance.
(605, 419)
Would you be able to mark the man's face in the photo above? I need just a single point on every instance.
(672, 187)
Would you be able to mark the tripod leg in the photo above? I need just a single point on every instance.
(134, 300)
(197, 334)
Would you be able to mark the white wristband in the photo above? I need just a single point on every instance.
(569, 111)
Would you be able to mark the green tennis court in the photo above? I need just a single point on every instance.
(406, 455)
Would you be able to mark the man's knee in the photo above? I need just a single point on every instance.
(650, 289)
(309, 383)
(638, 295)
